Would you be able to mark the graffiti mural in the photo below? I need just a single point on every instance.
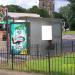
(18, 38)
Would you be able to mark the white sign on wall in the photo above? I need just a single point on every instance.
(46, 32)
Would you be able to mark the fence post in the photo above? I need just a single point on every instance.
(12, 59)
(72, 45)
(49, 60)
(37, 47)
(56, 48)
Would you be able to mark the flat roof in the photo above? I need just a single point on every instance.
(18, 15)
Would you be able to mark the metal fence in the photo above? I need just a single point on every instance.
(47, 61)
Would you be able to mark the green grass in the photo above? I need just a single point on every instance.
(62, 65)
(69, 32)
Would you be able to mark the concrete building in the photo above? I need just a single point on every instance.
(47, 5)
(36, 23)
(36, 34)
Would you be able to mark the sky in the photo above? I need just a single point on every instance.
(60, 3)
(30, 3)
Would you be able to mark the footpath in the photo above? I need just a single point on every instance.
(8, 72)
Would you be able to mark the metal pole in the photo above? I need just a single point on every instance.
(37, 50)
(12, 60)
(49, 60)
(49, 48)
(61, 36)
(56, 48)
(10, 48)
(72, 45)
(5, 11)
(12, 56)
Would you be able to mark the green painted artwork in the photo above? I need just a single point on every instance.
(1, 16)
(18, 38)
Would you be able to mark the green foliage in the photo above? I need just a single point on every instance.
(73, 24)
(71, 1)
(15, 8)
(66, 12)
(72, 8)
(34, 9)
(57, 15)
(69, 33)
(43, 13)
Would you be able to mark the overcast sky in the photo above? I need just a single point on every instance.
(30, 3)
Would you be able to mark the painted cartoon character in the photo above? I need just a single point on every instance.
(18, 40)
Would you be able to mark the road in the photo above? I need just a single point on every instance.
(69, 37)
(68, 43)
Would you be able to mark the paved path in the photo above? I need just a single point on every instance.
(69, 37)
(7, 72)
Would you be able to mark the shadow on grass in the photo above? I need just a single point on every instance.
(58, 73)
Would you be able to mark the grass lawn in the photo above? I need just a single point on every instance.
(63, 65)
(69, 32)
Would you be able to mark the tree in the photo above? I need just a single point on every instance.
(71, 1)
(15, 8)
(34, 9)
(72, 8)
(57, 15)
(66, 13)
(41, 12)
